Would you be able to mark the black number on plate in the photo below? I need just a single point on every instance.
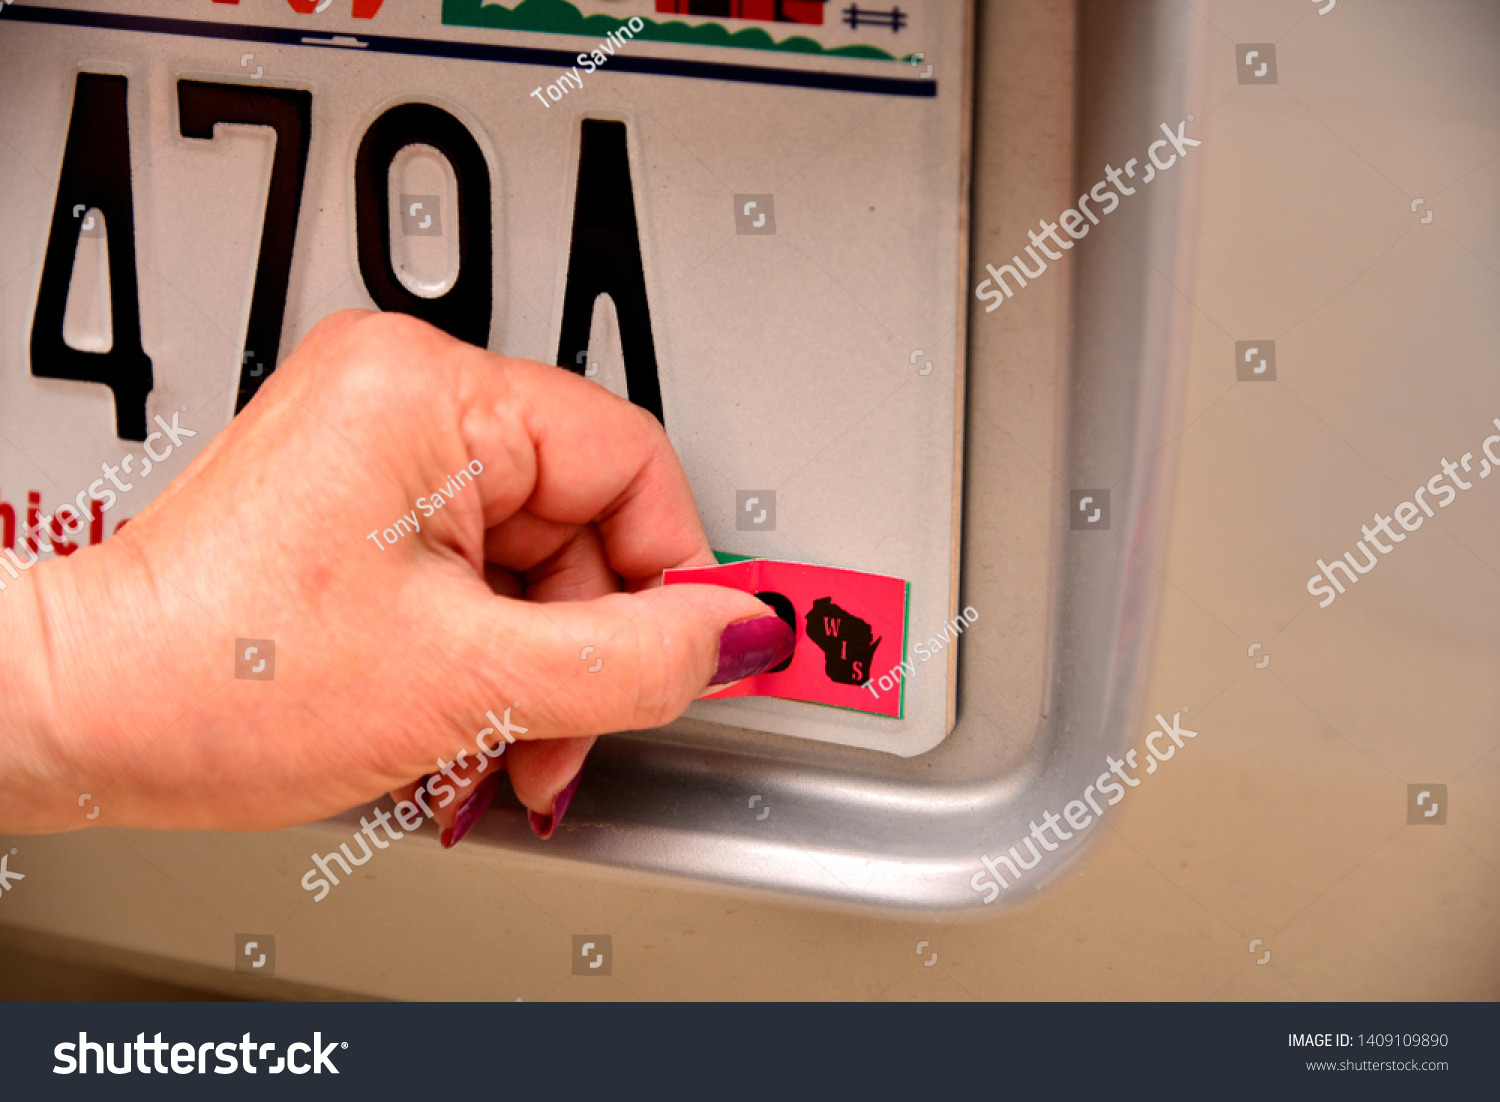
(604, 255)
(289, 112)
(96, 173)
(464, 310)
(605, 258)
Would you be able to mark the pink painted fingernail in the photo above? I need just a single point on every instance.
(753, 646)
(543, 825)
(470, 811)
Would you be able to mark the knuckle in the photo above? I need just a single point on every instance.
(373, 344)
(653, 427)
(387, 326)
(379, 337)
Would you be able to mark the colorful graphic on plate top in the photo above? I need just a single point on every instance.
(770, 11)
(590, 17)
(850, 626)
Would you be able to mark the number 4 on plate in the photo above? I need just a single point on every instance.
(96, 175)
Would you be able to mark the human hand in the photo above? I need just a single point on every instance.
(119, 681)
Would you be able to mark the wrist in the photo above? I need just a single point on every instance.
(34, 765)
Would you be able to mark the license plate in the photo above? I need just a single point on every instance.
(747, 216)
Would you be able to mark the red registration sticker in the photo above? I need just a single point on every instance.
(851, 628)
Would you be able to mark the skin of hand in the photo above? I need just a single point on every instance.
(118, 673)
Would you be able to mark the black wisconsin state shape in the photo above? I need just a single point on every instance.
(844, 639)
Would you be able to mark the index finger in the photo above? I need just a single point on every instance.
(588, 457)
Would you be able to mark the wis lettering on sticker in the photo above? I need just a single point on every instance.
(844, 639)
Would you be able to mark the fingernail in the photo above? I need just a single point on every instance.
(543, 825)
(470, 811)
(753, 646)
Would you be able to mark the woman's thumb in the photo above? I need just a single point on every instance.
(625, 661)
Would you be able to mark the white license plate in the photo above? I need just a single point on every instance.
(776, 210)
